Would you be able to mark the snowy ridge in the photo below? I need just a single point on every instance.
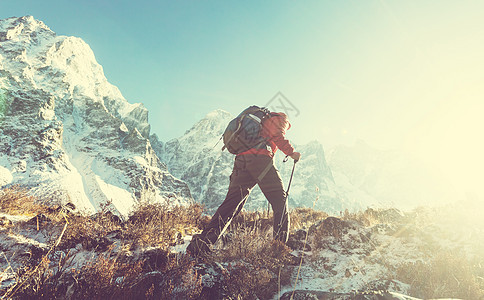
(196, 158)
(67, 132)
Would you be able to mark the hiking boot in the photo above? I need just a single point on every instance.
(198, 247)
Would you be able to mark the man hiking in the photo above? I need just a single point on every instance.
(251, 167)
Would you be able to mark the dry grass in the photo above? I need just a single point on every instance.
(304, 218)
(149, 225)
(370, 216)
(446, 275)
(109, 274)
(105, 278)
(15, 200)
(161, 226)
(88, 232)
(177, 279)
(253, 220)
(257, 263)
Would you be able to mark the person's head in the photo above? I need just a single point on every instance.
(281, 120)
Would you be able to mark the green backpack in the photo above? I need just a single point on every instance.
(244, 132)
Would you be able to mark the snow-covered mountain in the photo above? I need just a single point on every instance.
(66, 131)
(197, 159)
(390, 178)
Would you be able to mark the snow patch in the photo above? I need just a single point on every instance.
(5, 176)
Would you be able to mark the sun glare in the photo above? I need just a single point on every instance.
(451, 138)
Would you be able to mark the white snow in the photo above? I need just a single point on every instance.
(181, 248)
(5, 176)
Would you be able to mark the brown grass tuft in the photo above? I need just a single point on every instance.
(15, 200)
(304, 218)
(257, 262)
(105, 278)
(160, 225)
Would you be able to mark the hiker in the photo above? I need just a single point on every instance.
(251, 167)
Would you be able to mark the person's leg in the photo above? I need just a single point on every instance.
(241, 183)
(270, 183)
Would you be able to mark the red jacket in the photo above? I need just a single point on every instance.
(274, 129)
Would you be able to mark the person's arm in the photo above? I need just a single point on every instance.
(276, 133)
(283, 144)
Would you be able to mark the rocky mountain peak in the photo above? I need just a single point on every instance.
(68, 133)
(213, 124)
(25, 29)
(217, 115)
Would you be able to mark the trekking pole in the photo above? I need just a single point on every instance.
(288, 186)
(292, 173)
(287, 191)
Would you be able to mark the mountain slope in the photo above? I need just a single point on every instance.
(196, 158)
(66, 131)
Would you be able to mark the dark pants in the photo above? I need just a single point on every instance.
(248, 171)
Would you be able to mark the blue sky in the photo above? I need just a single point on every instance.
(397, 74)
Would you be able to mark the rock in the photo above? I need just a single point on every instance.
(386, 285)
(4, 222)
(332, 226)
(154, 259)
(322, 295)
(298, 245)
(299, 235)
(70, 206)
(212, 280)
(108, 217)
(296, 241)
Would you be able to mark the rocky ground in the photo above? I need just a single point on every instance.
(376, 254)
